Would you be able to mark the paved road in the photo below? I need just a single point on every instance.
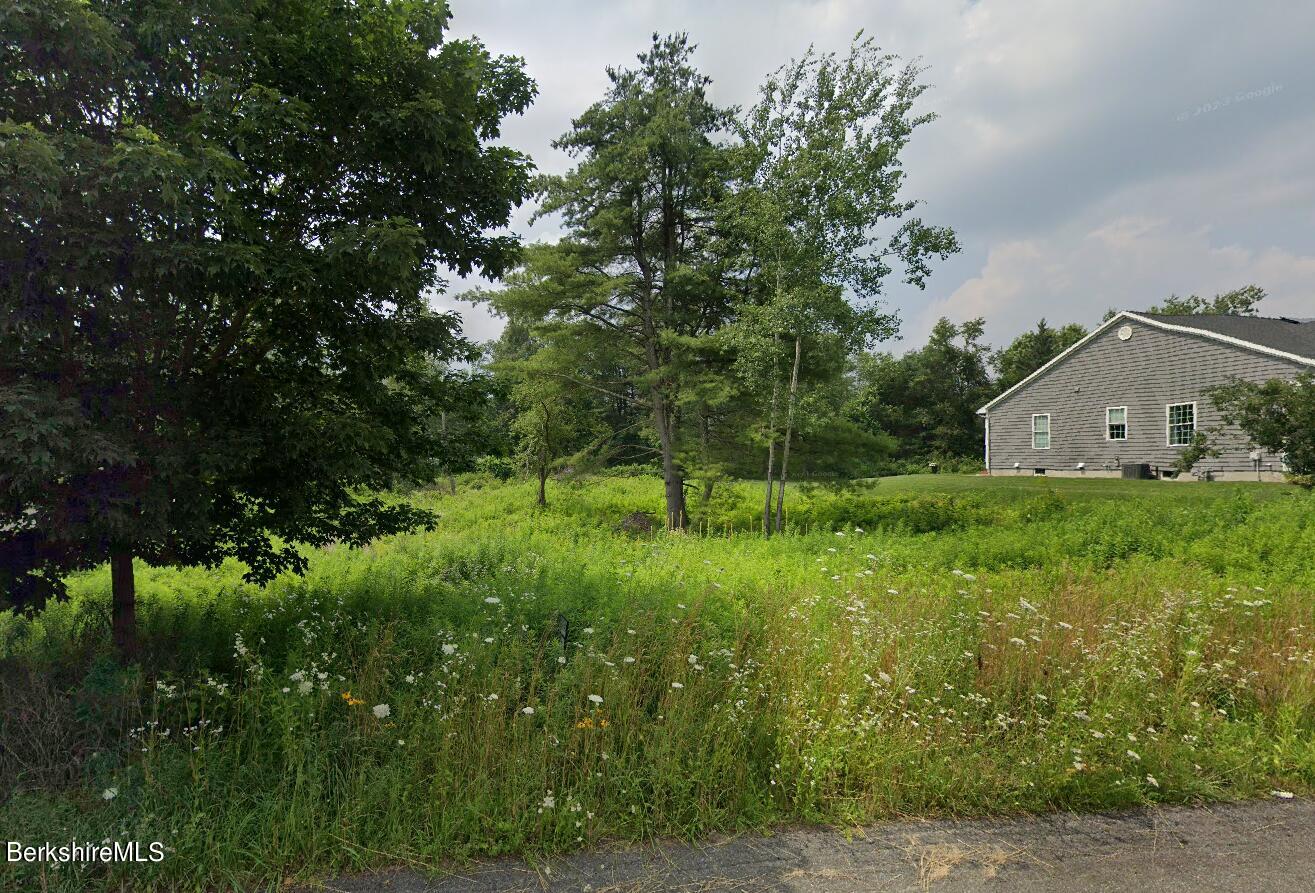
(1258, 846)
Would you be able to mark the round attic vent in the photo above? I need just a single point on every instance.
(1125, 333)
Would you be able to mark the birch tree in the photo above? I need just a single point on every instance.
(819, 203)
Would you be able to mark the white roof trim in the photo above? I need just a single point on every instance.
(1159, 324)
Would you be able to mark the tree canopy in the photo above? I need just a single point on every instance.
(1032, 350)
(221, 221)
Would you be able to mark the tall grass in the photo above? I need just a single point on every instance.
(916, 647)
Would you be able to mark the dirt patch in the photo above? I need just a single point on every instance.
(637, 523)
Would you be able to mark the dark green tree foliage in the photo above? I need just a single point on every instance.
(1032, 350)
(1278, 415)
(928, 399)
(1238, 302)
(218, 223)
(469, 414)
(635, 282)
(1242, 301)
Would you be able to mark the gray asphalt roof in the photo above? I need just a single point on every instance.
(1288, 335)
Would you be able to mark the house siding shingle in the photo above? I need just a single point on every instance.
(1146, 373)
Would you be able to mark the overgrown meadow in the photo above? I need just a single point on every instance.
(536, 681)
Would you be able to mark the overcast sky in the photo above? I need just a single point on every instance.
(1089, 155)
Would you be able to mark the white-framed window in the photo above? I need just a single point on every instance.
(1041, 431)
(1181, 423)
(1116, 423)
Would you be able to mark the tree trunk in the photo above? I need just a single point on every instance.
(442, 430)
(789, 429)
(708, 483)
(771, 442)
(123, 622)
(543, 479)
(672, 478)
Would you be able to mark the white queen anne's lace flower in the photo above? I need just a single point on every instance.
(382, 711)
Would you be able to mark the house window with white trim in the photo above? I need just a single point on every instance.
(1116, 423)
(1041, 431)
(1182, 423)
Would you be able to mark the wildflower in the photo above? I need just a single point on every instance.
(353, 702)
(596, 699)
(549, 801)
(488, 640)
(492, 600)
(410, 678)
(884, 676)
(286, 689)
(1134, 755)
(1016, 641)
(627, 660)
(1282, 795)
(528, 711)
(111, 793)
(1150, 780)
(304, 687)
(588, 630)
(677, 685)
(382, 711)
(449, 648)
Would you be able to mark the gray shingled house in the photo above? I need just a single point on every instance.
(1127, 398)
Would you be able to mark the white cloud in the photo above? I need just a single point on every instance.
(1123, 262)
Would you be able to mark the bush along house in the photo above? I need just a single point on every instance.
(1128, 398)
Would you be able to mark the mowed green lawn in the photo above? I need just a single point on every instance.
(523, 680)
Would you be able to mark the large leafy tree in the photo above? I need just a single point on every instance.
(219, 222)
(636, 282)
(1032, 350)
(824, 222)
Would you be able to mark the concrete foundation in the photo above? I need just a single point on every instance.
(1264, 476)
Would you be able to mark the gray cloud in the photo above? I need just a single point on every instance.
(1089, 155)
